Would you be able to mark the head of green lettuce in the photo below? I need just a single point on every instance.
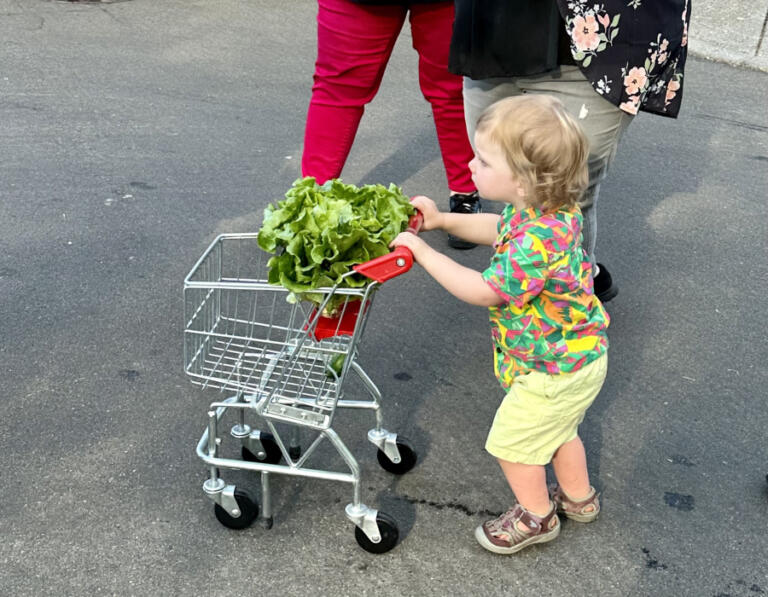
(318, 232)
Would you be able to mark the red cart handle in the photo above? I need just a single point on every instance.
(395, 263)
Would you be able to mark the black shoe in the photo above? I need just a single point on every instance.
(463, 204)
(605, 289)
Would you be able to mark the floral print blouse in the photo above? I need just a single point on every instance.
(550, 320)
(633, 52)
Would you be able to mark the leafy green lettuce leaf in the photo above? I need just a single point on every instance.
(318, 232)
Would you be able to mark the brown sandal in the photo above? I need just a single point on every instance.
(505, 535)
(585, 510)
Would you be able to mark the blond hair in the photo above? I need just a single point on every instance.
(545, 147)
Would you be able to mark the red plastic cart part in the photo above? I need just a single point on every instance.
(344, 325)
(395, 263)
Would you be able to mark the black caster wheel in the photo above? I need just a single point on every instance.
(387, 530)
(249, 510)
(272, 453)
(407, 458)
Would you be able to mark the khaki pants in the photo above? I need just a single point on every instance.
(603, 123)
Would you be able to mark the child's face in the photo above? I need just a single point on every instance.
(492, 175)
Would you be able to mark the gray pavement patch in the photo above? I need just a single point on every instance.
(686, 503)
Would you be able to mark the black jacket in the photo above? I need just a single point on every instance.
(501, 38)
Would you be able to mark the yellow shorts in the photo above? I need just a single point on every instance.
(541, 412)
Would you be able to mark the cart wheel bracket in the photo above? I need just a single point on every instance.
(386, 442)
(253, 442)
(224, 496)
(365, 519)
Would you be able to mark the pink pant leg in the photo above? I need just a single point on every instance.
(431, 26)
(354, 43)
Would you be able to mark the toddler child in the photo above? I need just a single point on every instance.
(548, 328)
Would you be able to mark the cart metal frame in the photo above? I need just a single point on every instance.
(286, 361)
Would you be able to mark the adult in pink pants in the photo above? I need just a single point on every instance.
(354, 42)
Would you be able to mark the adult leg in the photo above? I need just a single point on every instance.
(603, 124)
(431, 26)
(354, 43)
(481, 93)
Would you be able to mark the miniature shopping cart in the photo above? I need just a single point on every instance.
(286, 362)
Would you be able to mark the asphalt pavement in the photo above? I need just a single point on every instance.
(133, 132)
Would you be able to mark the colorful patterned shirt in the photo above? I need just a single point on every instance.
(551, 320)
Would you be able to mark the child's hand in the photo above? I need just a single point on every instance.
(410, 241)
(428, 208)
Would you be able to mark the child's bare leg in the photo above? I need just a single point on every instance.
(570, 465)
(529, 484)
